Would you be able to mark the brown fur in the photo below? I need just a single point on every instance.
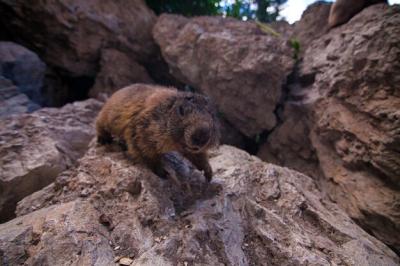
(343, 10)
(153, 120)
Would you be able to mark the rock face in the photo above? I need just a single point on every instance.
(357, 127)
(108, 210)
(313, 24)
(348, 94)
(237, 64)
(23, 68)
(35, 148)
(117, 70)
(70, 35)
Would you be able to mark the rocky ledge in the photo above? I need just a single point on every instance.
(36, 147)
(108, 211)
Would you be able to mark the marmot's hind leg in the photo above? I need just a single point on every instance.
(103, 136)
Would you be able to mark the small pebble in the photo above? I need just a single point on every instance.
(125, 261)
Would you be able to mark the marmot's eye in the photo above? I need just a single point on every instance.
(181, 110)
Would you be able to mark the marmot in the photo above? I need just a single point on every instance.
(153, 120)
(343, 10)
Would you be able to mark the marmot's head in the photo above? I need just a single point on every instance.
(193, 122)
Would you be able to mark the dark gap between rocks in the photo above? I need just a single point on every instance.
(59, 89)
(78, 88)
(253, 144)
(8, 212)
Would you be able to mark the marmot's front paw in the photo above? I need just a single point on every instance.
(208, 172)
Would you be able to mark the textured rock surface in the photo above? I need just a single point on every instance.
(348, 89)
(357, 127)
(239, 66)
(12, 101)
(24, 68)
(117, 70)
(253, 213)
(71, 34)
(35, 148)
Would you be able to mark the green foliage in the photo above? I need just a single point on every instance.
(295, 44)
(261, 10)
(185, 7)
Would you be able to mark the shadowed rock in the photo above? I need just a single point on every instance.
(70, 35)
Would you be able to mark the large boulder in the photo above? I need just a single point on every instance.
(36, 147)
(253, 213)
(241, 67)
(348, 90)
(70, 35)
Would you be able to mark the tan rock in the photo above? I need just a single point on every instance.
(253, 213)
(343, 10)
(347, 110)
(237, 64)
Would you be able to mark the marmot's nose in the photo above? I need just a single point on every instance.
(200, 137)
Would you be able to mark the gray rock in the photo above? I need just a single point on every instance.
(65, 234)
(70, 35)
(23, 68)
(12, 101)
(35, 148)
